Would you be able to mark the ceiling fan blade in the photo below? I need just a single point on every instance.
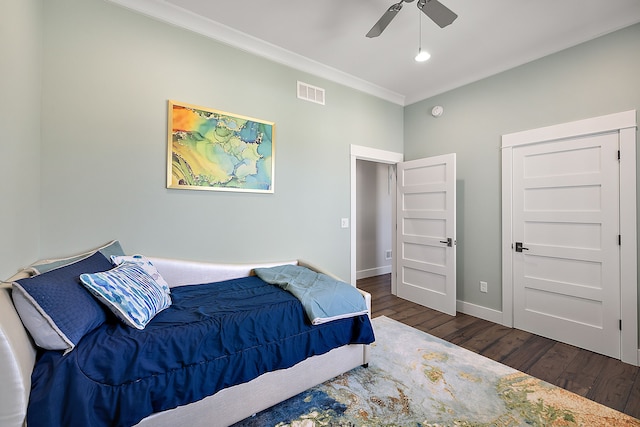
(382, 23)
(439, 13)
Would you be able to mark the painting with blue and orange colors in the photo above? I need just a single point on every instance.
(215, 150)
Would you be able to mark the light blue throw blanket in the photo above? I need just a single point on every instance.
(324, 299)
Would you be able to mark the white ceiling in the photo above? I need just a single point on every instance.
(327, 37)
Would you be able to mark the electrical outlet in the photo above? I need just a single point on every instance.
(344, 222)
(387, 254)
(483, 287)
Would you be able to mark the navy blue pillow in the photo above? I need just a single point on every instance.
(54, 306)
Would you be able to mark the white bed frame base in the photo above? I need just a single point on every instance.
(17, 357)
(234, 404)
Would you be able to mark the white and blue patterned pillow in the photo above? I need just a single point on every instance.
(129, 292)
(146, 265)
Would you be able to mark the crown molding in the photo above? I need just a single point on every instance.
(179, 17)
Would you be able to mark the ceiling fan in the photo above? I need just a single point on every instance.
(439, 13)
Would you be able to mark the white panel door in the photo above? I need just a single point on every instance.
(426, 232)
(566, 265)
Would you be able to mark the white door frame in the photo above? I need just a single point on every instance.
(358, 152)
(625, 123)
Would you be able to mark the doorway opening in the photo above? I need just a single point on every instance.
(374, 256)
(380, 157)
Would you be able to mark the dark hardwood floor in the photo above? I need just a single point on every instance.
(596, 377)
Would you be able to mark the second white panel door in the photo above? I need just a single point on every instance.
(566, 264)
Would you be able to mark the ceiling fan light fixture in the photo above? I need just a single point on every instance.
(422, 55)
(436, 11)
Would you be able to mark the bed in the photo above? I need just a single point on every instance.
(233, 399)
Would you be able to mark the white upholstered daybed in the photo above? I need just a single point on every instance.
(18, 353)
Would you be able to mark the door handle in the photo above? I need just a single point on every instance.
(449, 241)
(520, 248)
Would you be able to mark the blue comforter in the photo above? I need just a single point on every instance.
(213, 336)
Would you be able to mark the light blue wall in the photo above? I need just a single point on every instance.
(108, 75)
(596, 78)
(20, 95)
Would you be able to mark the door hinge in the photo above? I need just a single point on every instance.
(618, 154)
(620, 324)
(619, 240)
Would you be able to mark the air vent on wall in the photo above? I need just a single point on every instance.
(310, 93)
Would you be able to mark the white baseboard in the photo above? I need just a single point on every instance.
(474, 310)
(370, 272)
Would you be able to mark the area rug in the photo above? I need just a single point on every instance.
(415, 379)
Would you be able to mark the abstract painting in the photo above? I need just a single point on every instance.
(214, 150)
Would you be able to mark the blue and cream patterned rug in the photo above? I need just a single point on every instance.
(415, 379)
